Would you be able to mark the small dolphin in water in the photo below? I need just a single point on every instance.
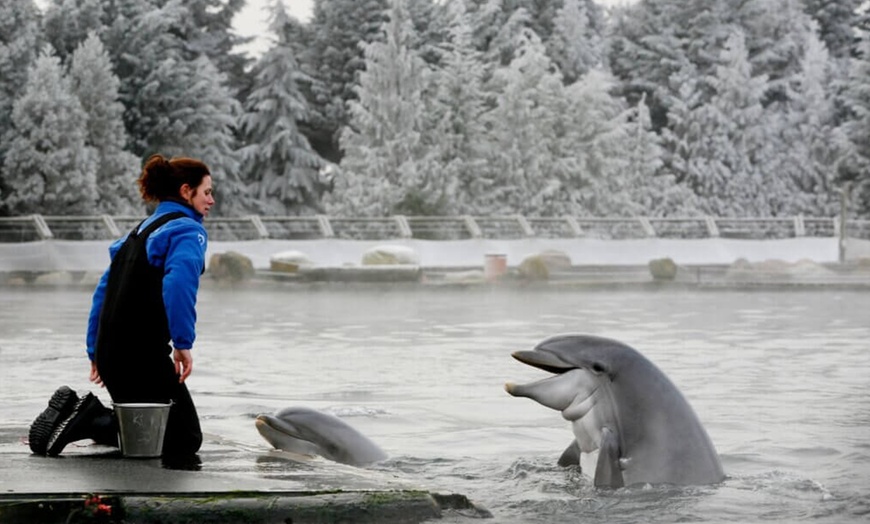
(311, 432)
(621, 404)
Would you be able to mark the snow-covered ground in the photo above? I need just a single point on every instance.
(56, 255)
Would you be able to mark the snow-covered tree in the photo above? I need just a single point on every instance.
(382, 144)
(653, 40)
(175, 105)
(593, 167)
(208, 31)
(651, 187)
(339, 29)
(19, 46)
(856, 99)
(722, 148)
(811, 143)
(574, 47)
(48, 168)
(279, 164)
(96, 86)
(67, 23)
(455, 137)
(837, 21)
(522, 131)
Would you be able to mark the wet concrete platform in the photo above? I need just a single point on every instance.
(225, 482)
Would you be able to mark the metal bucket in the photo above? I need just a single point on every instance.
(142, 427)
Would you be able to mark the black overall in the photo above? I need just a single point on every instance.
(133, 351)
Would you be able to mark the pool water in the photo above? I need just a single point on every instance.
(780, 379)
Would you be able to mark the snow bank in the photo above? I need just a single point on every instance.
(67, 255)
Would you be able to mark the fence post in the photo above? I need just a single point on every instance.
(524, 225)
(799, 228)
(403, 225)
(712, 228)
(109, 222)
(574, 226)
(646, 226)
(844, 209)
(325, 226)
(42, 227)
(259, 226)
(471, 225)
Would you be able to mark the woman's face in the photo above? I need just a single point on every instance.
(201, 197)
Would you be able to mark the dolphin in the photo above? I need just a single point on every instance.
(311, 432)
(622, 405)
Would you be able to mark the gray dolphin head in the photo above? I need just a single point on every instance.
(311, 432)
(621, 404)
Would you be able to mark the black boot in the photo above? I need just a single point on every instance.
(59, 408)
(85, 421)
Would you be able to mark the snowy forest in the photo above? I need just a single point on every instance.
(730, 108)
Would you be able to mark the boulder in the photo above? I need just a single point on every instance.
(230, 267)
(289, 261)
(390, 255)
(534, 268)
(555, 260)
(663, 269)
(773, 269)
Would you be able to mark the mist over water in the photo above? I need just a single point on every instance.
(780, 380)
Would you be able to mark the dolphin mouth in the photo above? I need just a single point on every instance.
(276, 424)
(543, 360)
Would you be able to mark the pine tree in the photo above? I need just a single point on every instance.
(650, 186)
(721, 147)
(522, 131)
(382, 143)
(19, 46)
(67, 23)
(811, 144)
(654, 40)
(595, 176)
(455, 140)
(574, 47)
(175, 105)
(856, 99)
(837, 21)
(339, 30)
(280, 165)
(48, 168)
(208, 31)
(96, 87)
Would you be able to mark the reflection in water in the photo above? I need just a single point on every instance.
(779, 379)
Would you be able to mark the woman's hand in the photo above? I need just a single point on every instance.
(183, 364)
(95, 375)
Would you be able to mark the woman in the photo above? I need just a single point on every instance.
(143, 312)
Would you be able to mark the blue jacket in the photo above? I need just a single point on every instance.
(179, 248)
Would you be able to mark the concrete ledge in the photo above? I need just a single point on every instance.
(399, 507)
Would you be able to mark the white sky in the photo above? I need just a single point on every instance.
(252, 19)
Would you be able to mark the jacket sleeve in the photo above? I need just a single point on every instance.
(183, 264)
(94, 316)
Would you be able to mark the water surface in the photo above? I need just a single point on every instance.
(780, 380)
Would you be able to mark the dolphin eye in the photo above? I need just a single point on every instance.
(598, 368)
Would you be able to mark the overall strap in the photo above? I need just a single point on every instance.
(159, 221)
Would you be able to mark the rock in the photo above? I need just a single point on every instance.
(534, 268)
(803, 269)
(230, 267)
(663, 269)
(555, 260)
(289, 261)
(390, 255)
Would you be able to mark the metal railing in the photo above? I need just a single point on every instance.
(104, 227)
